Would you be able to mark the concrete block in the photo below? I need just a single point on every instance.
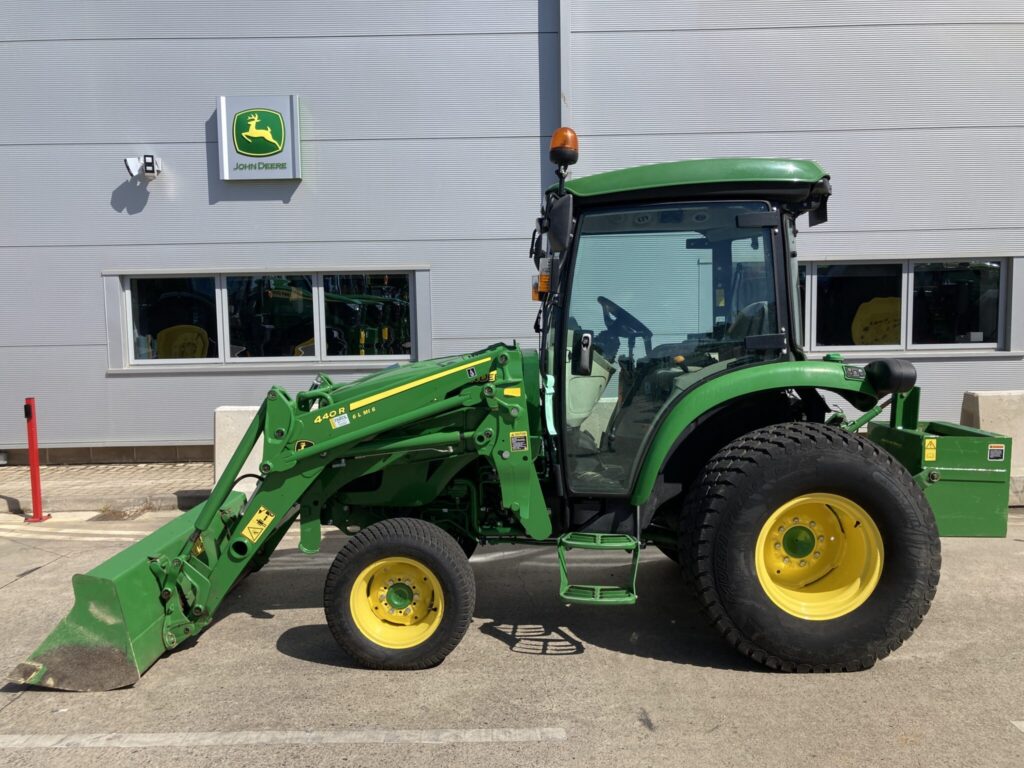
(229, 425)
(1001, 412)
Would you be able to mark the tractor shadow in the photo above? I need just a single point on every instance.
(518, 605)
(518, 602)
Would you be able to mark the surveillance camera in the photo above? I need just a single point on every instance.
(147, 165)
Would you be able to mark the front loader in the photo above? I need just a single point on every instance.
(671, 403)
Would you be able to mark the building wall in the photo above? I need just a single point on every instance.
(914, 109)
(425, 128)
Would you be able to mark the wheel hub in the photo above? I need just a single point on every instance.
(798, 541)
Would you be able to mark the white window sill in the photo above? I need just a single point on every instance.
(289, 367)
(858, 356)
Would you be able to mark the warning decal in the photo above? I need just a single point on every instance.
(996, 451)
(341, 420)
(931, 448)
(258, 525)
(519, 441)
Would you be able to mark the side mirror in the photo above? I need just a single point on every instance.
(583, 354)
(560, 223)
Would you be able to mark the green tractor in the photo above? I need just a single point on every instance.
(670, 404)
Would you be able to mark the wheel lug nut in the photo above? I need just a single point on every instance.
(785, 560)
(796, 519)
(777, 545)
(813, 524)
(821, 538)
(391, 610)
(407, 611)
(817, 555)
(782, 529)
(803, 563)
(831, 538)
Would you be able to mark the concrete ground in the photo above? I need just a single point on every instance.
(534, 682)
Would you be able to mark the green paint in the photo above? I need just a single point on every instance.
(258, 132)
(966, 485)
(752, 170)
(798, 541)
(399, 596)
(692, 404)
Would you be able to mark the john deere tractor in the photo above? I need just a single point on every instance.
(670, 403)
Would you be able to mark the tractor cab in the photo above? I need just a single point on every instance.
(656, 280)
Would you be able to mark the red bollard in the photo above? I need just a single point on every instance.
(33, 463)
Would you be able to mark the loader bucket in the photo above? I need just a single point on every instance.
(114, 631)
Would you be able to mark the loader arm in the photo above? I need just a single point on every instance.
(166, 588)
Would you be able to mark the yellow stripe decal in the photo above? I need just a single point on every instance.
(413, 384)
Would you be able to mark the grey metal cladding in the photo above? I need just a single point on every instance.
(604, 16)
(840, 79)
(159, 91)
(428, 189)
(122, 20)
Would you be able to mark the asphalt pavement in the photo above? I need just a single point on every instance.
(534, 682)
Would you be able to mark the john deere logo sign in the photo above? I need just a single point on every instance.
(258, 137)
(259, 132)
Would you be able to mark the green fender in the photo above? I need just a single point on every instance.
(713, 392)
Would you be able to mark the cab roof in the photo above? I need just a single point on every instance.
(757, 176)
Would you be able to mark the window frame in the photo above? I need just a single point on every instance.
(125, 359)
(906, 306)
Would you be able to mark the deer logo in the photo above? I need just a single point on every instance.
(259, 132)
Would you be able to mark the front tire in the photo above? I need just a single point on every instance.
(399, 595)
(811, 549)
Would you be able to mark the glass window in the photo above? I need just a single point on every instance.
(270, 315)
(670, 295)
(173, 318)
(367, 314)
(859, 304)
(956, 303)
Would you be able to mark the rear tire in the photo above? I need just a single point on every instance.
(811, 549)
(399, 595)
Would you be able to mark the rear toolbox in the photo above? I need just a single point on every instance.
(964, 473)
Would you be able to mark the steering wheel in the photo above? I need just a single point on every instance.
(620, 322)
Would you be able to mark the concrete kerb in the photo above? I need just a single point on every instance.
(118, 491)
(1001, 412)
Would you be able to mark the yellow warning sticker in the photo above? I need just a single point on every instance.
(258, 525)
(519, 441)
(931, 448)
(513, 392)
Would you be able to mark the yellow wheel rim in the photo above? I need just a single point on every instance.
(819, 556)
(396, 602)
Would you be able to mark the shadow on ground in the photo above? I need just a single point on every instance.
(520, 607)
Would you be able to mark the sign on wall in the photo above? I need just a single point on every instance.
(258, 137)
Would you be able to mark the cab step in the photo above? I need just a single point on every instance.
(596, 594)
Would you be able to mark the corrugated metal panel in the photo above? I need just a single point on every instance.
(131, 19)
(772, 79)
(883, 180)
(601, 15)
(358, 190)
(159, 91)
(963, 243)
(79, 404)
